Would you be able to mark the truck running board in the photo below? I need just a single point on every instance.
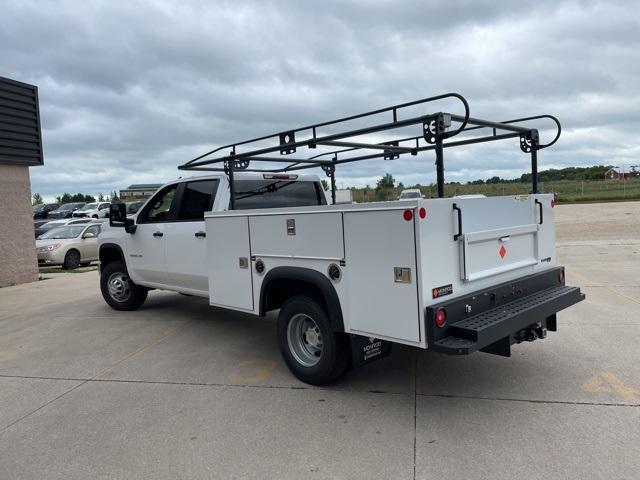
(496, 329)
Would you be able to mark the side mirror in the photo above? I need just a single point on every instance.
(89, 235)
(118, 217)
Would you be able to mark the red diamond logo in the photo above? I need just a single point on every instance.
(502, 251)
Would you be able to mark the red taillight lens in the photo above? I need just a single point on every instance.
(422, 212)
(440, 317)
(408, 215)
(561, 276)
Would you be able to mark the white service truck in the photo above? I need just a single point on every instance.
(454, 275)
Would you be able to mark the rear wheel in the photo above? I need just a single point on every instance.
(71, 260)
(118, 290)
(312, 350)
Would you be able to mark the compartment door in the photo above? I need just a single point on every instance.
(379, 303)
(492, 252)
(229, 262)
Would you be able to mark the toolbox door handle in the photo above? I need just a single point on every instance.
(540, 205)
(459, 234)
(200, 234)
(158, 234)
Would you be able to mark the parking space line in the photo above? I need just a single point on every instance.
(622, 295)
(144, 348)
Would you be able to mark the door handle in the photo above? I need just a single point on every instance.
(200, 234)
(158, 234)
(539, 203)
(459, 234)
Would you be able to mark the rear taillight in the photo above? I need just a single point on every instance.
(440, 317)
(408, 215)
(561, 276)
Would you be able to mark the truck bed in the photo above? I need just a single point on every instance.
(396, 259)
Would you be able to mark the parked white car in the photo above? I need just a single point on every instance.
(45, 227)
(410, 193)
(93, 210)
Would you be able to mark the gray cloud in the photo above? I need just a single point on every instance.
(129, 90)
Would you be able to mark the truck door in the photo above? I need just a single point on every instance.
(186, 249)
(146, 247)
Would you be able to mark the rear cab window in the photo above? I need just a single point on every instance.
(254, 194)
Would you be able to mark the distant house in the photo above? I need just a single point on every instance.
(614, 174)
(139, 191)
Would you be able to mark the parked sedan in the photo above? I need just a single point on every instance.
(48, 225)
(69, 245)
(66, 210)
(42, 210)
(133, 207)
(93, 210)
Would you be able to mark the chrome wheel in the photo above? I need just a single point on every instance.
(119, 287)
(304, 340)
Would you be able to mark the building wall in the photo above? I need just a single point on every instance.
(18, 260)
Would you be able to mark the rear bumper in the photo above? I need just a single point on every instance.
(492, 320)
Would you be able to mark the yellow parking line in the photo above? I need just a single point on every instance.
(585, 279)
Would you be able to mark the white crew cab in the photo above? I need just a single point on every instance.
(454, 275)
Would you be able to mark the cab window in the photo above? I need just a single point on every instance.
(159, 208)
(197, 198)
(277, 194)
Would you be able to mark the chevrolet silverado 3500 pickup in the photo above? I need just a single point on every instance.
(454, 275)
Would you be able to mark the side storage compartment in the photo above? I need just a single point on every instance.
(229, 262)
(381, 275)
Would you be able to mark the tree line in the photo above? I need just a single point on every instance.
(36, 198)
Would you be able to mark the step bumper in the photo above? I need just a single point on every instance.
(492, 320)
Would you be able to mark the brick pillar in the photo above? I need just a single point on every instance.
(18, 259)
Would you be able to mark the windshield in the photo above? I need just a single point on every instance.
(38, 208)
(409, 195)
(68, 231)
(90, 206)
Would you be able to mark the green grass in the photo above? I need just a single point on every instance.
(567, 191)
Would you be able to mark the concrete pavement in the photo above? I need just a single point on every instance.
(181, 390)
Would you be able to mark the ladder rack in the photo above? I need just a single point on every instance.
(297, 149)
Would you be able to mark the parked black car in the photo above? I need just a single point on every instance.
(66, 210)
(42, 210)
(133, 207)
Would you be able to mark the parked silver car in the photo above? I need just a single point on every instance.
(69, 245)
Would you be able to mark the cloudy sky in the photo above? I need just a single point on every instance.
(129, 90)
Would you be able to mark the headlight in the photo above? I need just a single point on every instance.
(48, 248)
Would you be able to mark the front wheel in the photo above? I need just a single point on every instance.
(71, 260)
(118, 290)
(311, 349)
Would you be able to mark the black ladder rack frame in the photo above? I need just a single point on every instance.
(436, 134)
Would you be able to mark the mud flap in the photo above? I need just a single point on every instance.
(368, 349)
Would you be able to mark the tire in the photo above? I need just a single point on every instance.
(71, 260)
(123, 294)
(313, 352)
(94, 216)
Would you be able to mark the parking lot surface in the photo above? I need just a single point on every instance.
(182, 390)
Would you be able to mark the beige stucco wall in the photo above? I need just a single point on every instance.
(18, 260)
